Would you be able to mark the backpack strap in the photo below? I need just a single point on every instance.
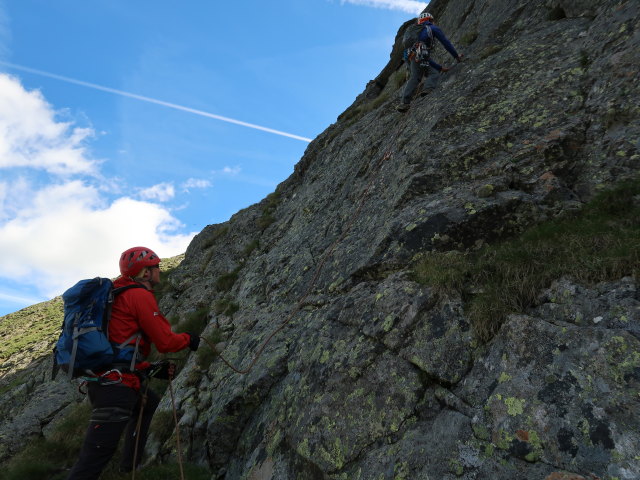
(76, 334)
(125, 346)
(138, 336)
(74, 349)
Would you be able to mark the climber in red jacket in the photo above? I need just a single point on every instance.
(116, 395)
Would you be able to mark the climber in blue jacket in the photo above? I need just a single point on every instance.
(421, 65)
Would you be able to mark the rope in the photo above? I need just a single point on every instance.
(143, 402)
(175, 419)
(297, 308)
(307, 292)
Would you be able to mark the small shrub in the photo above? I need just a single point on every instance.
(556, 13)
(217, 234)
(350, 116)
(269, 206)
(376, 102)
(250, 247)
(617, 115)
(468, 38)
(585, 61)
(195, 322)
(205, 354)
(225, 306)
(162, 471)
(265, 220)
(225, 282)
(490, 50)
(28, 468)
(162, 425)
(193, 378)
(398, 78)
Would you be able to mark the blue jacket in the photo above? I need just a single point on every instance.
(442, 38)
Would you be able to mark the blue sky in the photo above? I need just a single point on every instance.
(112, 119)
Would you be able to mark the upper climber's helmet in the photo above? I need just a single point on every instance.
(425, 17)
(135, 259)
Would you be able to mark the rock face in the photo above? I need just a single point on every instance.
(373, 376)
(366, 374)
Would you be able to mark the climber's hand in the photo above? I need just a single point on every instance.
(163, 370)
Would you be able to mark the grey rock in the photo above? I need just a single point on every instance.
(358, 372)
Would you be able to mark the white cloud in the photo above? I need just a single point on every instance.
(195, 183)
(409, 6)
(31, 137)
(68, 233)
(231, 171)
(57, 223)
(162, 192)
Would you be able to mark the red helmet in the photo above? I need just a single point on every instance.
(425, 17)
(135, 259)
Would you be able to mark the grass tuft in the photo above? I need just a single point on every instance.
(205, 355)
(269, 206)
(556, 13)
(163, 471)
(162, 425)
(218, 233)
(45, 458)
(490, 50)
(225, 281)
(600, 243)
(249, 248)
(468, 38)
(195, 322)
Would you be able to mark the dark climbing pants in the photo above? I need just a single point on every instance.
(416, 72)
(115, 410)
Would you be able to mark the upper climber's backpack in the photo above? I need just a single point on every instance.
(83, 345)
(412, 36)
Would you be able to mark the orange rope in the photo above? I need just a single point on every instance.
(143, 402)
(175, 419)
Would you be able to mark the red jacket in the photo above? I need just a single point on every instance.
(136, 310)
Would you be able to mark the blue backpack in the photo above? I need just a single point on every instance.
(84, 345)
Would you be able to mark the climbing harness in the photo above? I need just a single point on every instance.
(110, 415)
(101, 379)
(419, 53)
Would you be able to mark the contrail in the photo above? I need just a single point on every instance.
(152, 100)
(10, 297)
